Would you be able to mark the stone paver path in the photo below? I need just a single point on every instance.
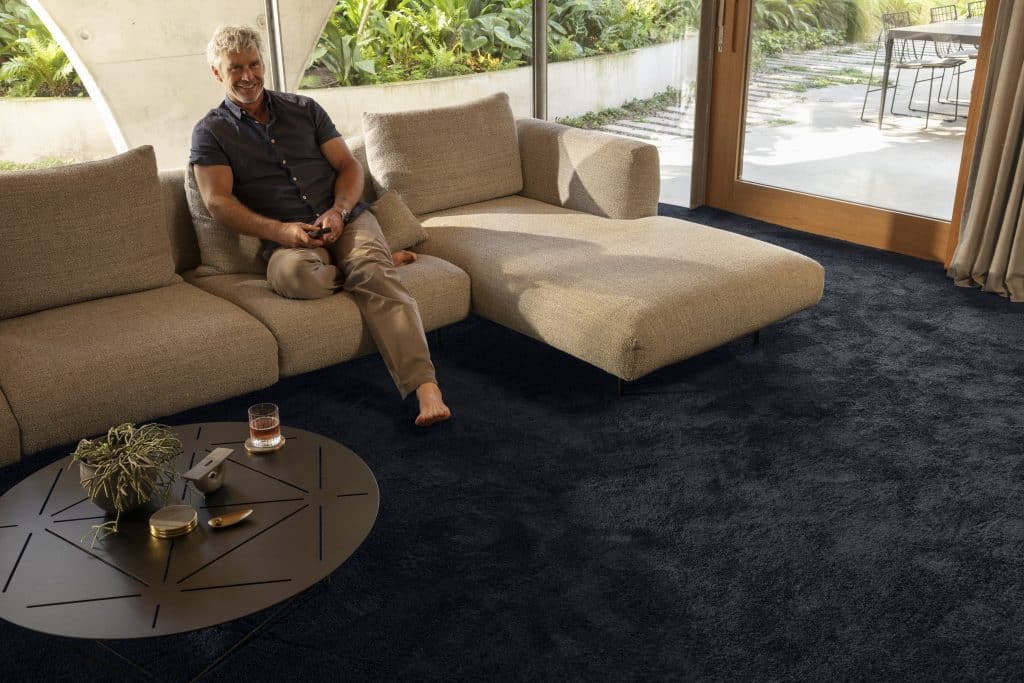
(783, 81)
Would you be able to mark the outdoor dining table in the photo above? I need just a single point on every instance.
(965, 31)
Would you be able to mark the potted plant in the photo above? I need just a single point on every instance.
(125, 469)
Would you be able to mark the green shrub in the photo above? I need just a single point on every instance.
(32, 63)
(45, 162)
(634, 109)
(854, 20)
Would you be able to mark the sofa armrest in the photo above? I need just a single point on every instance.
(586, 170)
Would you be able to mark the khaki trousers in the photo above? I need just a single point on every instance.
(364, 270)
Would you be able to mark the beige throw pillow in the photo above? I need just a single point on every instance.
(445, 157)
(82, 232)
(401, 229)
(222, 250)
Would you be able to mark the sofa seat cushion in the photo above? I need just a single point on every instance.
(81, 232)
(74, 371)
(314, 333)
(628, 296)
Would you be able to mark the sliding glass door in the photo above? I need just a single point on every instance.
(629, 68)
(803, 136)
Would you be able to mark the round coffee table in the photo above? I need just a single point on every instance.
(314, 502)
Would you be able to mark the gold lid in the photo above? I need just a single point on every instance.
(173, 521)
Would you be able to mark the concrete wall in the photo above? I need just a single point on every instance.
(144, 63)
(66, 128)
(74, 128)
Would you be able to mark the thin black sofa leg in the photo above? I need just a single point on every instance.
(756, 337)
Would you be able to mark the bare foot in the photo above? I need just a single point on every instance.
(400, 258)
(432, 407)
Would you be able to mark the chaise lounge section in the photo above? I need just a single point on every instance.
(577, 257)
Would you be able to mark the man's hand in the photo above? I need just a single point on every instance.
(331, 218)
(297, 235)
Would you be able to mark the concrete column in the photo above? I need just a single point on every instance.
(144, 63)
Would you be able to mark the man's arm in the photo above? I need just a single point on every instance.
(348, 187)
(215, 183)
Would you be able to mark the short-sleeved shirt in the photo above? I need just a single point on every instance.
(278, 169)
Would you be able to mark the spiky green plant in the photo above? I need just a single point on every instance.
(130, 464)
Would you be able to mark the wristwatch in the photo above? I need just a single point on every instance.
(349, 215)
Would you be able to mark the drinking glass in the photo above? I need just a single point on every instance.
(264, 425)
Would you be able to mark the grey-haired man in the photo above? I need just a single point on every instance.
(273, 165)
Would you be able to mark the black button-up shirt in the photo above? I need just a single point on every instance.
(278, 169)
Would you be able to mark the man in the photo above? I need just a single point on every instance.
(273, 165)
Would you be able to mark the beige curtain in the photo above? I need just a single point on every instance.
(991, 248)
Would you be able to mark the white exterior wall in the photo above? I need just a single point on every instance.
(34, 128)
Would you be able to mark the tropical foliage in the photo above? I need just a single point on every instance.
(798, 25)
(381, 41)
(32, 63)
(852, 20)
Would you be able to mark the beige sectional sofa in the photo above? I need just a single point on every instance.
(105, 318)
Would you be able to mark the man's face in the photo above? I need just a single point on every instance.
(242, 76)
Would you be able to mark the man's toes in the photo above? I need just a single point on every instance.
(433, 416)
(401, 258)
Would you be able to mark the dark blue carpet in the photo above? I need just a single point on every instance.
(844, 500)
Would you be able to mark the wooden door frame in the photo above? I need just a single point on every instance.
(903, 233)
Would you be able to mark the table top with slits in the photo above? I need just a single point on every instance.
(314, 503)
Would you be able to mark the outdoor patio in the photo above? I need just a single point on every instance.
(804, 132)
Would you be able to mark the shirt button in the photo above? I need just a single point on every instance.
(304, 197)
(273, 141)
(284, 163)
(294, 179)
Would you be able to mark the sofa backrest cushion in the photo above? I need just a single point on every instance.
(222, 250)
(81, 232)
(184, 247)
(445, 157)
(357, 145)
(401, 229)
